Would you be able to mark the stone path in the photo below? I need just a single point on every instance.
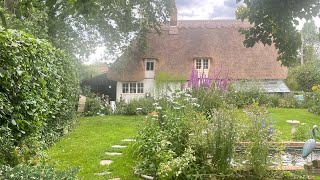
(102, 173)
(128, 140)
(113, 153)
(106, 162)
(118, 146)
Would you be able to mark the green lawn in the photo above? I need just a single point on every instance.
(86, 145)
(281, 115)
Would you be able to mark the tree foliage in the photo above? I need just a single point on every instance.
(79, 26)
(304, 77)
(274, 21)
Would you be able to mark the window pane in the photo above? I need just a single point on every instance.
(198, 64)
(125, 87)
(140, 88)
(205, 64)
(150, 66)
(133, 88)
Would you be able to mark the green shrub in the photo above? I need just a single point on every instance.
(313, 100)
(140, 106)
(303, 132)
(22, 172)
(121, 107)
(92, 107)
(246, 96)
(304, 77)
(258, 130)
(273, 100)
(95, 107)
(208, 99)
(162, 139)
(38, 90)
(288, 101)
(7, 147)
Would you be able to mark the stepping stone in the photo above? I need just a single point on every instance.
(128, 140)
(113, 153)
(115, 179)
(118, 146)
(105, 162)
(147, 177)
(102, 173)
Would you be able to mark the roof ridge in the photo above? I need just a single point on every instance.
(212, 20)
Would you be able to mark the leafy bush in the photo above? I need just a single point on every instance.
(303, 132)
(22, 172)
(258, 130)
(38, 90)
(273, 100)
(141, 106)
(7, 147)
(121, 107)
(304, 77)
(95, 106)
(313, 100)
(208, 99)
(246, 96)
(288, 101)
(213, 142)
(92, 107)
(162, 147)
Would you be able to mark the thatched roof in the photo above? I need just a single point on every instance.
(219, 40)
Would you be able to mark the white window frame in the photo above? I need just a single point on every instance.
(202, 63)
(132, 88)
(150, 64)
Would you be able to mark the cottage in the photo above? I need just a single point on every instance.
(202, 44)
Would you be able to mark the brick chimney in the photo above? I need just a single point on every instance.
(174, 15)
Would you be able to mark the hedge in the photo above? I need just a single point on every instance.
(38, 93)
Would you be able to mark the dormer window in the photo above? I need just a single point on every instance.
(149, 64)
(202, 64)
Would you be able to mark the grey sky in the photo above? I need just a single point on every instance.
(206, 9)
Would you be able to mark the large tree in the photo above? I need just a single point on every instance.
(274, 21)
(80, 26)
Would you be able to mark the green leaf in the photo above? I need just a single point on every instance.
(13, 122)
(30, 113)
(2, 72)
(19, 72)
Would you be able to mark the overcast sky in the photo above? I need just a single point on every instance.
(206, 9)
(212, 9)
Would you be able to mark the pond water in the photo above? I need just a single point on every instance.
(290, 157)
(293, 157)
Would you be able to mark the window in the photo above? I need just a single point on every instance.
(198, 64)
(149, 64)
(205, 63)
(125, 87)
(132, 87)
(202, 64)
(139, 87)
